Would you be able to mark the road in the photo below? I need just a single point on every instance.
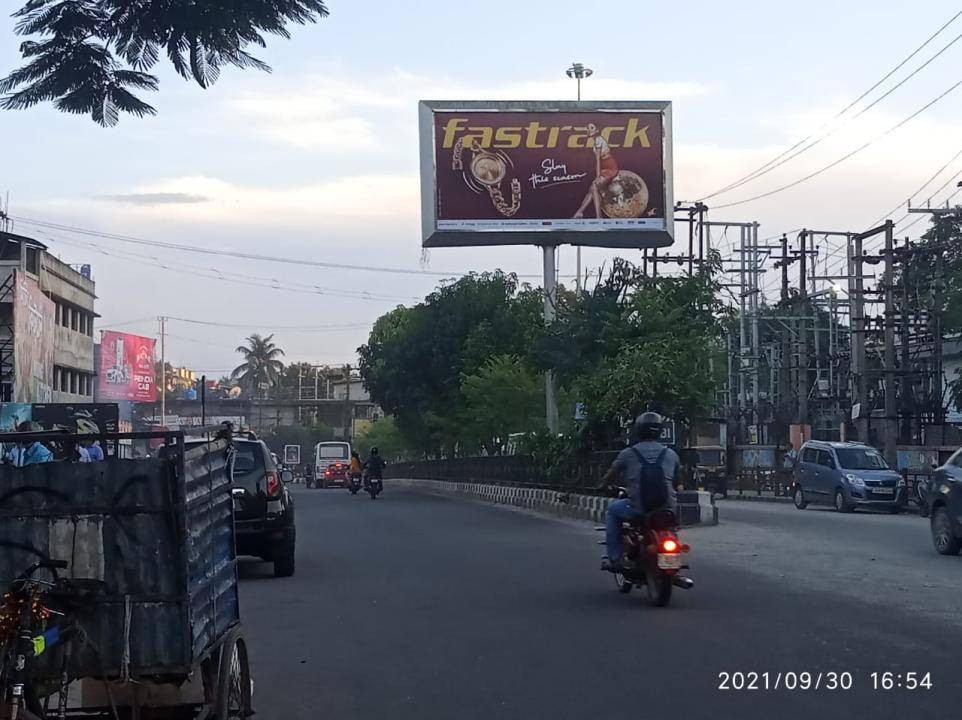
(417, 606)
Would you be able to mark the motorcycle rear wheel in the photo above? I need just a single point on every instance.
(659, 586)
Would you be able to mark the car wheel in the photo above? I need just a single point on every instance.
(943, 535)
(799, 497)
(284, 564)
(841, 504)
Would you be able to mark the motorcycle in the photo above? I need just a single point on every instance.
(354, 484)
(374, 486)
(653, 556)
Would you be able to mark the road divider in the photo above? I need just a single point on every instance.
(694, 507)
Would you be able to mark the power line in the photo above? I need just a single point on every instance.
(243, 255)
(226, 276)
(844, 157)
(923, 186)
(271, 326)
(769, 165)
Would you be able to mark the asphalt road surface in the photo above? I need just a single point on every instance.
(417, 606)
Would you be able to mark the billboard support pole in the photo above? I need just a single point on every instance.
(550, 293)
(163, 370)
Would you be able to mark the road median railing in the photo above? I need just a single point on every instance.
(515, 480)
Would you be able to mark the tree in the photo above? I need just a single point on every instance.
(933, 274)
(91, 55)
(636, 342)
(261, 365)
(415, 357)
(386, 437)
(502, 397)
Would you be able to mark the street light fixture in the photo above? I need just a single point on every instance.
(578, 72)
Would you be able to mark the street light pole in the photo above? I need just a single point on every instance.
(578, 71)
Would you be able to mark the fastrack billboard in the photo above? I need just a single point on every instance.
(127, 370)
(33, 336)
(500, 173)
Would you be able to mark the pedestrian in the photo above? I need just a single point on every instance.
(28, 453)
(94, 451)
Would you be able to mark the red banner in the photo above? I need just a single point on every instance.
(127, 369)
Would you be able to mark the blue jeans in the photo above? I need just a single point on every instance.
(618, 511)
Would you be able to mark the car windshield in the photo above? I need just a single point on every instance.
(860, 459)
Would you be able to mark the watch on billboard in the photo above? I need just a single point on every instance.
(503, 173)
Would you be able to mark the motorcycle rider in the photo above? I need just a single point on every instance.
(357, 467)
(374, 467)
(640, 467)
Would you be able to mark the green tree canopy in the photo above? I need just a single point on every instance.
(91, 56)
(386, 437)
(415, 357)
(502, 397)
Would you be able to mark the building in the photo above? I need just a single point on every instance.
(46, 325)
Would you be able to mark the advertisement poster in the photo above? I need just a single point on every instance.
(79, 418)
(127, 369)
(292, 454)
(33, 335)
(589, 171)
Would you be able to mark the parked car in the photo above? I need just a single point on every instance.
(943, 503)
(846, 476)
(263, 506)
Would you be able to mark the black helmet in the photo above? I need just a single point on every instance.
(373, 451)
(648, 425)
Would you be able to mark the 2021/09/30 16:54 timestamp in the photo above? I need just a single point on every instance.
(822, 680)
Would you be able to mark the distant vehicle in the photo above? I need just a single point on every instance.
(263, 506)
(331, 463)
(943, 503)
(846, 476)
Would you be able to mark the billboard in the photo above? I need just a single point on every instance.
(127, 370)
(33, 336)
(504, 173)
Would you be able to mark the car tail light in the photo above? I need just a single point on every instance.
(273, 485)
(669, 545)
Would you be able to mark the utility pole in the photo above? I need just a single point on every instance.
(163, 369)
(906, 403)
(891, 410)
(802, 333)
(756, 347)
(859, 377)
(578, 72)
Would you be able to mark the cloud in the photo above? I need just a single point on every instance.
(322, 112)
(349, 202)
(156, 198)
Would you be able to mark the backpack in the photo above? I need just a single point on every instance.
(652, 489)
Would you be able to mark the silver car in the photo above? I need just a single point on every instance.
(846, 476)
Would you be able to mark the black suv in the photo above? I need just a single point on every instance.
(263, 507)
(943, 502)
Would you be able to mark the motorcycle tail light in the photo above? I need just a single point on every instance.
(273, 484)
(669, 545)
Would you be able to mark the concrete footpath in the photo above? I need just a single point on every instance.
(696, 508)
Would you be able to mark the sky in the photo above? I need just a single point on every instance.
(318, 160)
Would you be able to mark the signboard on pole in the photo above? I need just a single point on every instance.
(292, 454)
(546, 173)
(127, 369)
(33, 338)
